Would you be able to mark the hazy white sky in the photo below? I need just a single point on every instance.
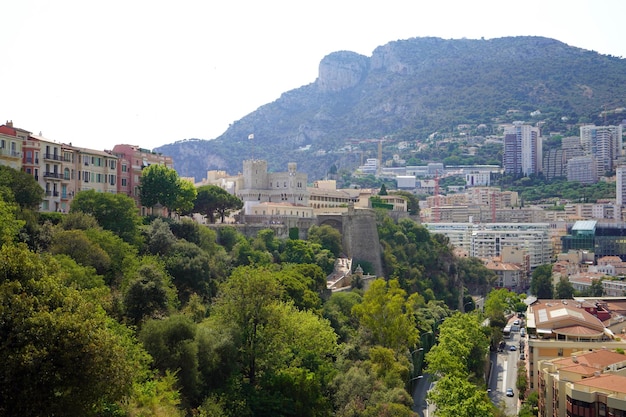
(151, 72)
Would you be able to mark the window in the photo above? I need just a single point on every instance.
(124, 182)
(124, 168)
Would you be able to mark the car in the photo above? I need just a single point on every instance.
(512, 348)
(522, 357)
(522, 332)
(516, 322)
(509, 392)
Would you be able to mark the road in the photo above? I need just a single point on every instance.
(504, 374)
(420, 405)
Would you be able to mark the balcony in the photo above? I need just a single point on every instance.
(10, 153)
(52, 193)
(53, 175)
(52, 156)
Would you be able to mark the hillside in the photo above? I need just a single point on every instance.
(408, 90)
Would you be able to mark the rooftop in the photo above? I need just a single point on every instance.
(606, 382)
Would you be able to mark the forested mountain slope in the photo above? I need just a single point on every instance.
(408, 90)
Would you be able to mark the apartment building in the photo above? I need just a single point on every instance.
(604, 143)
(508, 275)
(11, 142)
(62, 170)
(582, 169)
(491, 240)
(523, 153)
(620, 187)
(587, 383)
(559, 328)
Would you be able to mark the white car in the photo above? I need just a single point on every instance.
(509, 392)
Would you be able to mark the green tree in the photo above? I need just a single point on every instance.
(19, 187)
(298, 251)
(150, 294)
(456, 396)
(462, 348)
(498, 303)
(160, 238)
(9, 225)
(115, 212)
(162, 185)
(172, 344)
(564, 290)
(59, 353)
(328, 237)
(387, 314)
(541, 282)
(185, 197)
(596, 290)
(190, 268)
(79, 247)
(213, 200)
(244, 301)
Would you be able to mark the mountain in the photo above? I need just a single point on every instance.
(408, 90)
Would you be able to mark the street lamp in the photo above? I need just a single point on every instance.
(416, 377)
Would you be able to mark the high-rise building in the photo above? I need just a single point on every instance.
(582, 169)
(523, 152)
(604, 143)
(620, 185)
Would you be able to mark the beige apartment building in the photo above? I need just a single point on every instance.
(62, 170)
(587, 383)
(560, 328)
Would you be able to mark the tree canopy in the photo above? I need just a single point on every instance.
(115, 212)
(213, 200)
(162, 185)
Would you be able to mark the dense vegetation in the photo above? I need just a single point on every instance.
(165, 317)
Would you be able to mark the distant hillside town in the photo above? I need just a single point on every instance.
(479, 219)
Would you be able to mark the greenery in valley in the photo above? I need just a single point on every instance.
(538, 189)
(165, 317)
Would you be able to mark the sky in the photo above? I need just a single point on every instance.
(151, 72)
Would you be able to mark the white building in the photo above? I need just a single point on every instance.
(604, 143)
(490, 240)
(523, 153)
(620, 185)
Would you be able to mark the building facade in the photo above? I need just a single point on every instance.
(523, 153)
(62, 170)
(604, 143)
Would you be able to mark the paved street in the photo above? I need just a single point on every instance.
(419, 395)
(504, 374)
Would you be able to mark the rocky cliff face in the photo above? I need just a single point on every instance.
(341, 70)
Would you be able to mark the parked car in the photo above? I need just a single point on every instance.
(521, 356)
(522, 332)
(509, 392)
(512, 348)
(516, 322)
